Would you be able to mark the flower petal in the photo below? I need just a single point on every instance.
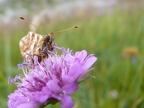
(40, 97)
(67, 102)
(89, 62)
(73, 73)
(29, 105)
(75, 70)
(70, 88)
(81, 55)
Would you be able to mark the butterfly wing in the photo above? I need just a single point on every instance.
(31, 44)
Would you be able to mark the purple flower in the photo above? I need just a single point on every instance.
(52, 80)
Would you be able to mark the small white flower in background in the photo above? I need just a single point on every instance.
(113, 94)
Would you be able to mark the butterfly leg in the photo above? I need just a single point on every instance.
(42, 56)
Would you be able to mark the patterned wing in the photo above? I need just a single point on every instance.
(31, 44)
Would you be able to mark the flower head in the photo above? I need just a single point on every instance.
(53, 79)
(130, 52)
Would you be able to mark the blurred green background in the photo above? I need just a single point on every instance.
(112, 30)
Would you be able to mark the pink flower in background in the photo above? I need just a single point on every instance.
(52, 80)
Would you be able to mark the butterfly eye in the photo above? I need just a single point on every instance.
(47, 38)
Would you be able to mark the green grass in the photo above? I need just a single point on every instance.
(106, 36)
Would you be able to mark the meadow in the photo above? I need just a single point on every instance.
(119, 81)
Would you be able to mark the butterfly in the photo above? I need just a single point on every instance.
(36, 44)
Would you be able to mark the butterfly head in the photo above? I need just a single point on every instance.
(49, 38)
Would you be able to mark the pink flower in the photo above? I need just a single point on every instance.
(53, 79)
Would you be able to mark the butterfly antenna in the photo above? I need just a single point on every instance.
(65, 29)
(32, 24)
